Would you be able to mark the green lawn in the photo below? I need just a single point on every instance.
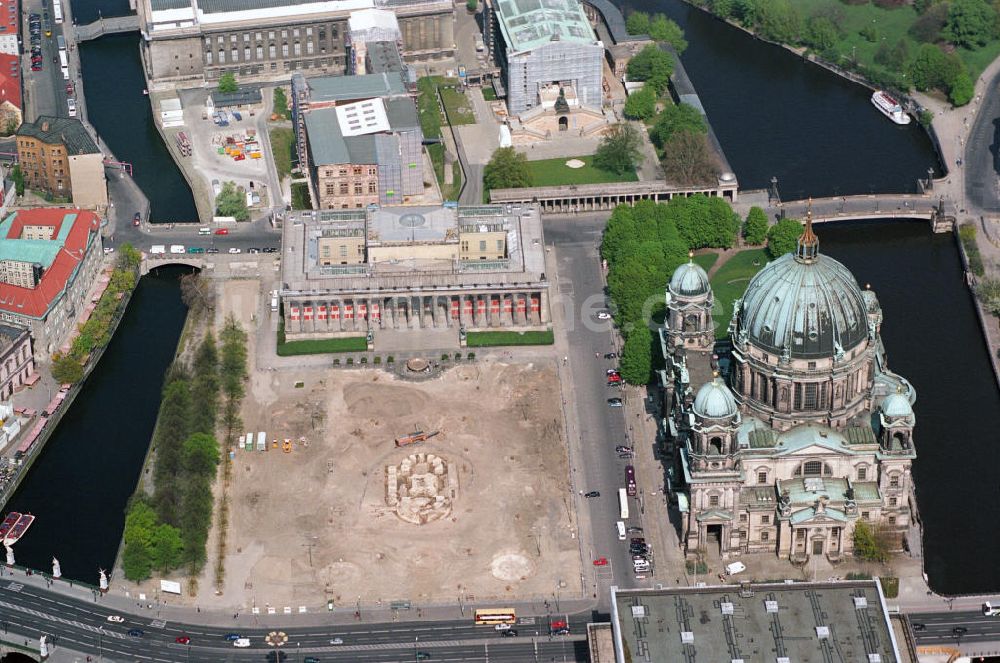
(731, 281)
(282, 147)
(488, 338)
(890, 25)
(323, 346)
(456, 105)
(706, 260)
(300, 196)
(489, 94)
(555, 172)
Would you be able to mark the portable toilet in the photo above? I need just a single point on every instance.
(249, 443)
(243, 439)
(262, 441)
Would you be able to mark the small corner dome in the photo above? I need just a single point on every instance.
(896, 405)
(715, 401)
(689, 280)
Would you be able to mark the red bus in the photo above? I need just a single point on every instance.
(630, 480)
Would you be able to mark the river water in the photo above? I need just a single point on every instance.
(78, 488)
(774, 115)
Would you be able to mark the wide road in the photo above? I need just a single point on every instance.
(44, 91)
(954, 627)
(982, 153)
(82, 625)
(580, 294)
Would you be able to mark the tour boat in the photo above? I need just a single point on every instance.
(890, 107)
(18, 530)
(8, 522)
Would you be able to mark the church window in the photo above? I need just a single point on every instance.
(894, 481)
(812, 365)
(715, 445)
(862, 473)
(865, 515)
(813, 468)
(892, 520)
(893, 501)
(743, 517)
(765, 520)
(765, 537)
(800, 535)
(835, 533)
(827, 470)
(713, 500)
(762, 477)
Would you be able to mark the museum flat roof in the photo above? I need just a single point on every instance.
(791, 623)
(528, 24)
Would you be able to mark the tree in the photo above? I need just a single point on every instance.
(619, 150)
(128, 257)
(821, 33)
(896, 57)
(665, 30)
(652, 65)
(66, 369)
(637, 23)
(674, 118)
(136, 562)
(17, 175)
(195, 518)
(200, 454)
(929, 25)
(227, 83)
(871, 543)
(641, 104)
(962, 89)
(636, 359)
(988, 292)
(471, 5)
(166, 548)
(232, 202)
(197, 293)
(687, 159)
(933, 68)
(507, 169)
(778, 20)
(783, 237)
(205, 387)
(970, 23)
(755, 226)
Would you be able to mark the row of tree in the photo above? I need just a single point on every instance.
(169, 529)
(96, 332)
(643, 245)
(940, 27)
(658, 28)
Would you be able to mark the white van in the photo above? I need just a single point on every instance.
(640, 565)
(621, 530)
(735, 567)
(204, 231)
(157, 248)
(241, 642)
(177, 248)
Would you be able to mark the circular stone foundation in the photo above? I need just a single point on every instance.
(511, 567)
(422, 488)
(575, 163)
(417, 365)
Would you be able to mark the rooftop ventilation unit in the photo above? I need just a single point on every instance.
(727, 608)
(782, 659)
(874, 658)
(823, 632)
(687, 637)
(860, 602)
(771, 606)
(638, 611)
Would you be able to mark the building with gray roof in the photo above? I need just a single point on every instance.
(755, 623)
(269, 40)
(444, 268)
(804, 433)
(546, 46)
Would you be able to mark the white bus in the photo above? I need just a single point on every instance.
(623, 503)
(57, 11)
(61, 41)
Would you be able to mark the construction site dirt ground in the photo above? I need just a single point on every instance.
(313, 524)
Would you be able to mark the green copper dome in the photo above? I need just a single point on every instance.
(803, 305)
(689, 280)
(715, 401)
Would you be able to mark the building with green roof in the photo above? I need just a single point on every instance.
(544, 47)
(804, 431)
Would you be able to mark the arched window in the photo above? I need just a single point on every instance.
(827, 470)
(715, 445)
(899, 440)
(691, 323)
(812, 468)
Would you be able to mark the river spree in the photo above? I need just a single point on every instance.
(777, 115)
(79, 487)
(932, 337)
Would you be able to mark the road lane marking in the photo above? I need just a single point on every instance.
(60, 620)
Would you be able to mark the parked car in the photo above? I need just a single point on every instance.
(136, 218)
(601, 561)
(69, 89)
(615, 402)
(233, 636)
(593, 493)
(337, 641)
(638, 540)
(36, 66)
(211, 249)
(116, 619)
(310, 659)
(509, 633)
(623, 449)
(603, 315)
(423, 656)
(222, 231)
(610, 355)
(235, 250)
(634, 530)
(182, 640)
(195, 249)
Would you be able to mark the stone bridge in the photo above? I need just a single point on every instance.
(939, 211)
(106, 26)
(216, 265)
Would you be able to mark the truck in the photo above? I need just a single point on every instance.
(274, 301)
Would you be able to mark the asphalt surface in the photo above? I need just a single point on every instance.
(580, 293)
(83, 626)
(982, 153)
(954, 627)
(45, 90)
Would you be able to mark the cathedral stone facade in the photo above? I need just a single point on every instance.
(794, 429)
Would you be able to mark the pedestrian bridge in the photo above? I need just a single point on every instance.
(106, 26)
